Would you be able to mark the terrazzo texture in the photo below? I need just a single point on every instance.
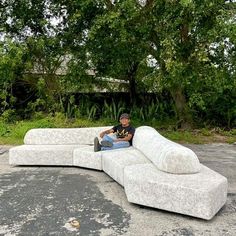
(168, 156)
(86, 157)
(115, 161)
(173, 179)
(42, 155)
(200, 195)
(63, 135)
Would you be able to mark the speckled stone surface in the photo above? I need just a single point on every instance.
(63, 135)
(144, 169)
(86, 157)
(114, 162)
(168, 156)
(41, 200)
(42, 155)
(200, 195)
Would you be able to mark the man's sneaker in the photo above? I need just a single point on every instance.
(2, 150)
(106, 143)
(97, 146)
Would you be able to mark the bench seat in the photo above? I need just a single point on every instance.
(87, 158)
(43, 155)
(155, 171)
(114, 162)
(200, 195)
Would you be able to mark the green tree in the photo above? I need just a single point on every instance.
(192, 43)
(36, 25)
(11, 67)
(181, 36)
(120, 36)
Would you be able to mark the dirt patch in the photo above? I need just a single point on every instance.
(215, 138)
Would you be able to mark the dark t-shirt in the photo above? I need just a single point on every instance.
(122, 132)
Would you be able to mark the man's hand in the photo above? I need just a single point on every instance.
(106, 132)
(127, 138)
(102, 134)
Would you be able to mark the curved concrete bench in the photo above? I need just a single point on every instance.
(70, 136)
(155, 171)
(56, 146)
(200, 195)
(165, 154)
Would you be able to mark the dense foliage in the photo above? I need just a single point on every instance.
(175, 59)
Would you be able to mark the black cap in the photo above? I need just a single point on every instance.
(124, 115)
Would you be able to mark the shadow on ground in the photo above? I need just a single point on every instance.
(43, 201)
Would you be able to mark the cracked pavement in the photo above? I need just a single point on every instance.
(42, 201)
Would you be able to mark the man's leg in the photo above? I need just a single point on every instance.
(97, 145)
(107, 140)
(116, 145)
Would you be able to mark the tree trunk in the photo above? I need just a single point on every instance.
(132, 83)
(182, 111)
(132, 90)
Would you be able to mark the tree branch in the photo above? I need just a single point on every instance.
(149, 4)
(109, 4)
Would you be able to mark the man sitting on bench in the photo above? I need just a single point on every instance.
(119, 136)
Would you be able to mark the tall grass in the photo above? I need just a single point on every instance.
(13, 133)
(113, 110)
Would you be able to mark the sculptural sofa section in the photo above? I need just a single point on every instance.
(53, 155)
(87, 158)
(200, 195)
(175, 181)
(115, 161)
(155, 171)
(166, 155)
(56, 147)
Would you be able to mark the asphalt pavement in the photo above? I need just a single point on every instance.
(50, 200)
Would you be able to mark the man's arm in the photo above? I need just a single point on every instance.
(106, 132)
(127, 138)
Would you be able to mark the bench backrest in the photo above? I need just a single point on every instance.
(168, 156)
(63, 135)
